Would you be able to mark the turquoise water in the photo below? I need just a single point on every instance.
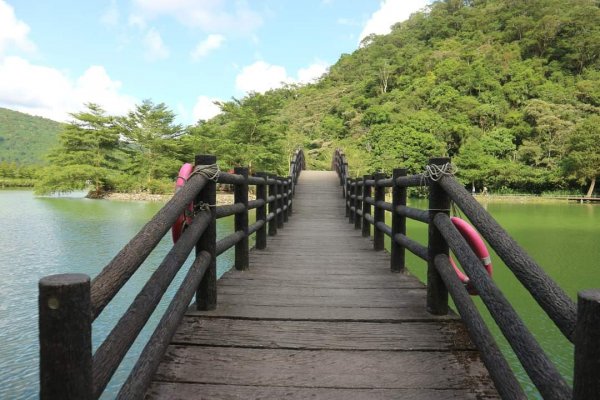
(43, 236)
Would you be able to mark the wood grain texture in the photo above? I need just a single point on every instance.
(320, 315)
(194, 391)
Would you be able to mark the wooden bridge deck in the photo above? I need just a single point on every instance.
(320, 315)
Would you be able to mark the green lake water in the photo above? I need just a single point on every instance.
(564, 239)
(43, 236)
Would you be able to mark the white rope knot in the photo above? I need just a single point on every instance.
(436, 172)
(210, 172)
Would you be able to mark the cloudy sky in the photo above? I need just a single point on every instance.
(56, 55)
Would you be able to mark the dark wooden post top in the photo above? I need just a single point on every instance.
(586, 382)
(65, 323)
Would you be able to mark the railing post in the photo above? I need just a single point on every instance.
(261, 213)
(285, 185)
(398, 221)
(351, 215)
(291, 187)
(439, 202)
(586, 380)
(240, 195)
(65, 326)
(206, 295)
(378, 214)
(273, 206)
(366, 207)
(279, 202)
(357, 203)
(347, 196)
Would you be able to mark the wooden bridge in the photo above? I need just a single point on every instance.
(320, 311)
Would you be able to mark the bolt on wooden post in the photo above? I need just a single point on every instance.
(398, 221)
(240, 195)
(65, 324)
(206, 295)
(261, 212)
(379, 214)
(439, 202)
(366, 207)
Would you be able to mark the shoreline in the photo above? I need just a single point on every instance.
(223, 198)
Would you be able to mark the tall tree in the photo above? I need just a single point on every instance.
(88, 152)
(583, 152)
(151, 135)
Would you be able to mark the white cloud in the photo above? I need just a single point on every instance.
(212, 42)
(50, 93)
(13, 32)
(208, 15)
(262, 76)
(205, 108)
(155, 47)
(312, 72)
(389, 13)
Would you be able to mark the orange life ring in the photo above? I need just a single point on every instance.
(186, 218)
(478, 246)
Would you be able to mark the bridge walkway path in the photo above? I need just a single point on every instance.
(319, 315)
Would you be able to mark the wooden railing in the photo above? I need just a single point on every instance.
(579, 324)
(69, 303)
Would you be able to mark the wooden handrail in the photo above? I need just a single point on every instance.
(83, 375)
(441, 277)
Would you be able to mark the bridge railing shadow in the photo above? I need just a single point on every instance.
(69, 303)
(580, 324)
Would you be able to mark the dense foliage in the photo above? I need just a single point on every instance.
(509, 89)
(504, 87)
(24, 140)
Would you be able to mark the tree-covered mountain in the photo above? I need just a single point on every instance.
(24, 142)
(25, 139)
(509, 89)
(502, 86)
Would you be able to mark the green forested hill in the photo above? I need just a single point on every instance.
(510, 89)
(25, 139)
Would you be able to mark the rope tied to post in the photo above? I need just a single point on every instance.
(436, 172)
(210, 172)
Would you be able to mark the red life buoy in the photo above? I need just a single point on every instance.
(184, 219)
(478, 246)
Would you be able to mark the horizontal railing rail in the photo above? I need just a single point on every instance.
(366, 207)
(69, 303)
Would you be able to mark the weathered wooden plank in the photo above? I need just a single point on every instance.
(324, 368)
(412, 298)
(316, 282)
(318, 335)
(317, 313)
(194, 391)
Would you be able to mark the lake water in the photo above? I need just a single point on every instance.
(43, 236)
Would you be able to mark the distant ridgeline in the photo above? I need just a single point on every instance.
(25, 139)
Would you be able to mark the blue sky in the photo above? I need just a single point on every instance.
(56, 55)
